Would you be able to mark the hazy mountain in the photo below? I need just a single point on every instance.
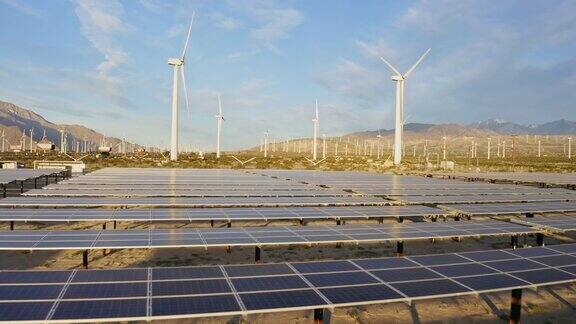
(14, 120)
(487, 128)
(558, 127)
(417, 130)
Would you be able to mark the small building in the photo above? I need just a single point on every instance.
(46, 145)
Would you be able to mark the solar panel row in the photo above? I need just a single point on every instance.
(512, 208)
(186, 292)
(189, 201)
(207, 214)
(252, 236)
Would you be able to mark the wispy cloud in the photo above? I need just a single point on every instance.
(273, 20)
(225, 22)
(100, 22)
(24, 7)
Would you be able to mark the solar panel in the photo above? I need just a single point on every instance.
(188, 201)
(253, 236)
(551, 223)
(486, 198)
(243, 289)
(512, 208)
(207, 214)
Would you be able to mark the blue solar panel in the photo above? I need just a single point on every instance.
(194, 305)
(94, 309)
(429, 288)
(480, 256)
(190, 287)
(110, 275)
(385, 263)
(327, 266)
(24, 292)
(340, 279)
(32, 311)
(268, 283)
(258, 270)
(459, 270)
(544, 275)
(360, 294)
(186, 273)
(106, 290)
(406, 274)
(565, 248)
(429, 260)
(532, 252)
(493, 281)
(34, 276)
(514, 265)
(556, 260)
(281, 299)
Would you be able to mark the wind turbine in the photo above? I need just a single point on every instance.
(316, 122)
(178, 64)
(399, 78)
(219, 120)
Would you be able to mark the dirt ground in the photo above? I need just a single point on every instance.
(556, 304)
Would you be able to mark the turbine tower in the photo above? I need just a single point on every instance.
(316, 122)
(178, 64)
(399, 78)
(219, 120)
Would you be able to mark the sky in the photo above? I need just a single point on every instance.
(103, 64)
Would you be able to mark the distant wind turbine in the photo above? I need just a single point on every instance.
(399, 78)
(316, 122)
(178, 64)
(219, 120)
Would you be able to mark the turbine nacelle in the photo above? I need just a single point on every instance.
(175, 61)
(397, 78)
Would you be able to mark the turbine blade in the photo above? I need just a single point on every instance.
(188, 36)
(220, 107)
(185, 86)
(416, 64)
(390, 66)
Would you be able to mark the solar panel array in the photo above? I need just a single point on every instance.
(485, 198)
(512, 208)
(524, 177)
(208, 214)
(136, 192)
(551, 223)
(186, 292)
(252, 236)
(193, 202)
(10, 175)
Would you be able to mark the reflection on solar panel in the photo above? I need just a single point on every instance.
(485, 198)
(251, 236)
(182, 193)
(188, 201)
(187, 292)
(513, 208)
(207, 214)
(551, 223)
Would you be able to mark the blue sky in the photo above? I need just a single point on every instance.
(102, 63)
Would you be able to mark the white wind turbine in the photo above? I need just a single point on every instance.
(219, 120)
(399, 78)
(316, 122)
(178, 64)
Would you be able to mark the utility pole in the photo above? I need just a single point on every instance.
(489, 144)
(444, 148)
(266, 144)
(514, 152)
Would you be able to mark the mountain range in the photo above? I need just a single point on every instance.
(490, 127)
(14, 120)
